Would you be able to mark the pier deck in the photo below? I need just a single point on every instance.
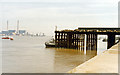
(106, 62)
(76, 38)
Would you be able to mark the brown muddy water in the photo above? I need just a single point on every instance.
(28, 55)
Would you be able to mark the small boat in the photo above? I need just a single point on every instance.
(51, 43)
(7, 37)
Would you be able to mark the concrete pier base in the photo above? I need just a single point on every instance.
(111, 40)
(106, 62)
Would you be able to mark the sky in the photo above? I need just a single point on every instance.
(37, 16)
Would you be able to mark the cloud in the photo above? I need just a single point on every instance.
(35, 16)
(110, 1)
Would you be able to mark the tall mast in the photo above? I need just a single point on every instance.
(55, 28)
(7, 25)
(17, 26)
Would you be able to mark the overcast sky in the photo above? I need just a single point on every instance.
(37, 16)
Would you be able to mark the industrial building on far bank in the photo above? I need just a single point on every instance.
(13, 32)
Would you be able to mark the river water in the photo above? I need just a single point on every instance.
(27, 54)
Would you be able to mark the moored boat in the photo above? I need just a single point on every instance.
(7, 37)
(51, 43)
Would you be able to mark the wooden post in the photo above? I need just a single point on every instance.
(90, 41)
(73, 40)
(111, 40)
(83, 41)
(55, 39)
(95, 41)
(62, 44)
(86, 41)
(64, 39)
(76, 41)
(92, 38)
(58, 39)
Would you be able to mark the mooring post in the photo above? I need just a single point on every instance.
(75, 41)
(64, 40)
(95, 41)
(55, 39)
(86, 41)
(62, 44)
(111, 40)
(58, 39)
(90, 40)
(69, 40)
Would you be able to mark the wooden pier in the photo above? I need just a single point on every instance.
(69, 40)
(76, 38)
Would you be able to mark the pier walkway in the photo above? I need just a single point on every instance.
(106, 62)
(76, 38)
